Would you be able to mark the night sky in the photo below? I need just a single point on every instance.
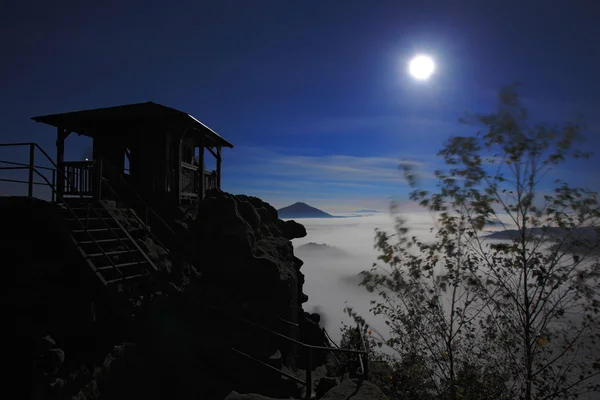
(313, 94)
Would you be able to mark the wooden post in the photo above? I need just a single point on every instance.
(177, 186)
(60, 159)
(53, 185)
(309, 374)
(98, 179)
(31, 166)
(201, 167)
(219, 167)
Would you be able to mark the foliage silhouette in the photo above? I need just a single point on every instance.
(481, 319)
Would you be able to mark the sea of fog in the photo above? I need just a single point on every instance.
(331, 277)
(332, 281)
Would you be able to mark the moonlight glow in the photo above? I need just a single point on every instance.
(421, 67)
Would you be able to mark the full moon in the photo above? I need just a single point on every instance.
(421, 67)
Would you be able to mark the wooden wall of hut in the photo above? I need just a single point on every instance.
(111, 150)
(147, 172)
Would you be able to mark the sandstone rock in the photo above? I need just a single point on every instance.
(249, 214)
(249, 396)
(46, 343)
(356, 391)
(237, 253)
(57, 358)
(311, 333)
(276, 360)
(324, 385)
(292, 229)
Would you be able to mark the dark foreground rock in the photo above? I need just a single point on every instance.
(75, 339)
(248, 396)
(355, 390)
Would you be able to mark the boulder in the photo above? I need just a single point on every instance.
(248, 396)
(245, 250)
(311, 333)
(46, 343)
(324, 385)
(237, 255)
(294, 230)
(355, 390)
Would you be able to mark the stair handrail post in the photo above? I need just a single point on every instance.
(309, 373)
(53, 187)
(64, 178)
(99, 179)
(87, 218)
(31, 169)
(139, 198)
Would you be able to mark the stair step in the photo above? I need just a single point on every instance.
(129, 264)
(114, 253)
(91, 219)
(90, 230)
(92, 210)
(126, 278)
(103, 241)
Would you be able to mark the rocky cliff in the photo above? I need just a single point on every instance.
(75, 339)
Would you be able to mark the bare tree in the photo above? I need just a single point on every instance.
(516, 318)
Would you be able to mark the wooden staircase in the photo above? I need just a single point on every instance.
(107, 247)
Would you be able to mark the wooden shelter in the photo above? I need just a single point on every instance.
(159, 143)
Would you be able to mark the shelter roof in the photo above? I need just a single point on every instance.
(99, 121)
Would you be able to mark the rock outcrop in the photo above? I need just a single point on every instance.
(74, 338)
(351, 389)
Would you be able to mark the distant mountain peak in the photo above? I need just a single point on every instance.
(302, 210)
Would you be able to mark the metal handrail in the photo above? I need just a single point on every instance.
(247, 321)
(24, 165)
(18, 181)
(308, 347)
(330, 339)
(288, 322)
(147, 207)
(89, 207)
(148, 231)
(269, 366)
(85, 227)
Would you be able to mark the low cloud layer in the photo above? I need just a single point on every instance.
(332, 281)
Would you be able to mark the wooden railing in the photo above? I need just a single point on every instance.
(210, 180)
(79, 178)
(190, 180)
(122, 189)
(60, 175)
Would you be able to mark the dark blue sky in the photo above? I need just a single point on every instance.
(313, 94)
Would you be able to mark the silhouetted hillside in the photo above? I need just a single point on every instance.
(574, 240)
(321, 250)
(302, 210)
